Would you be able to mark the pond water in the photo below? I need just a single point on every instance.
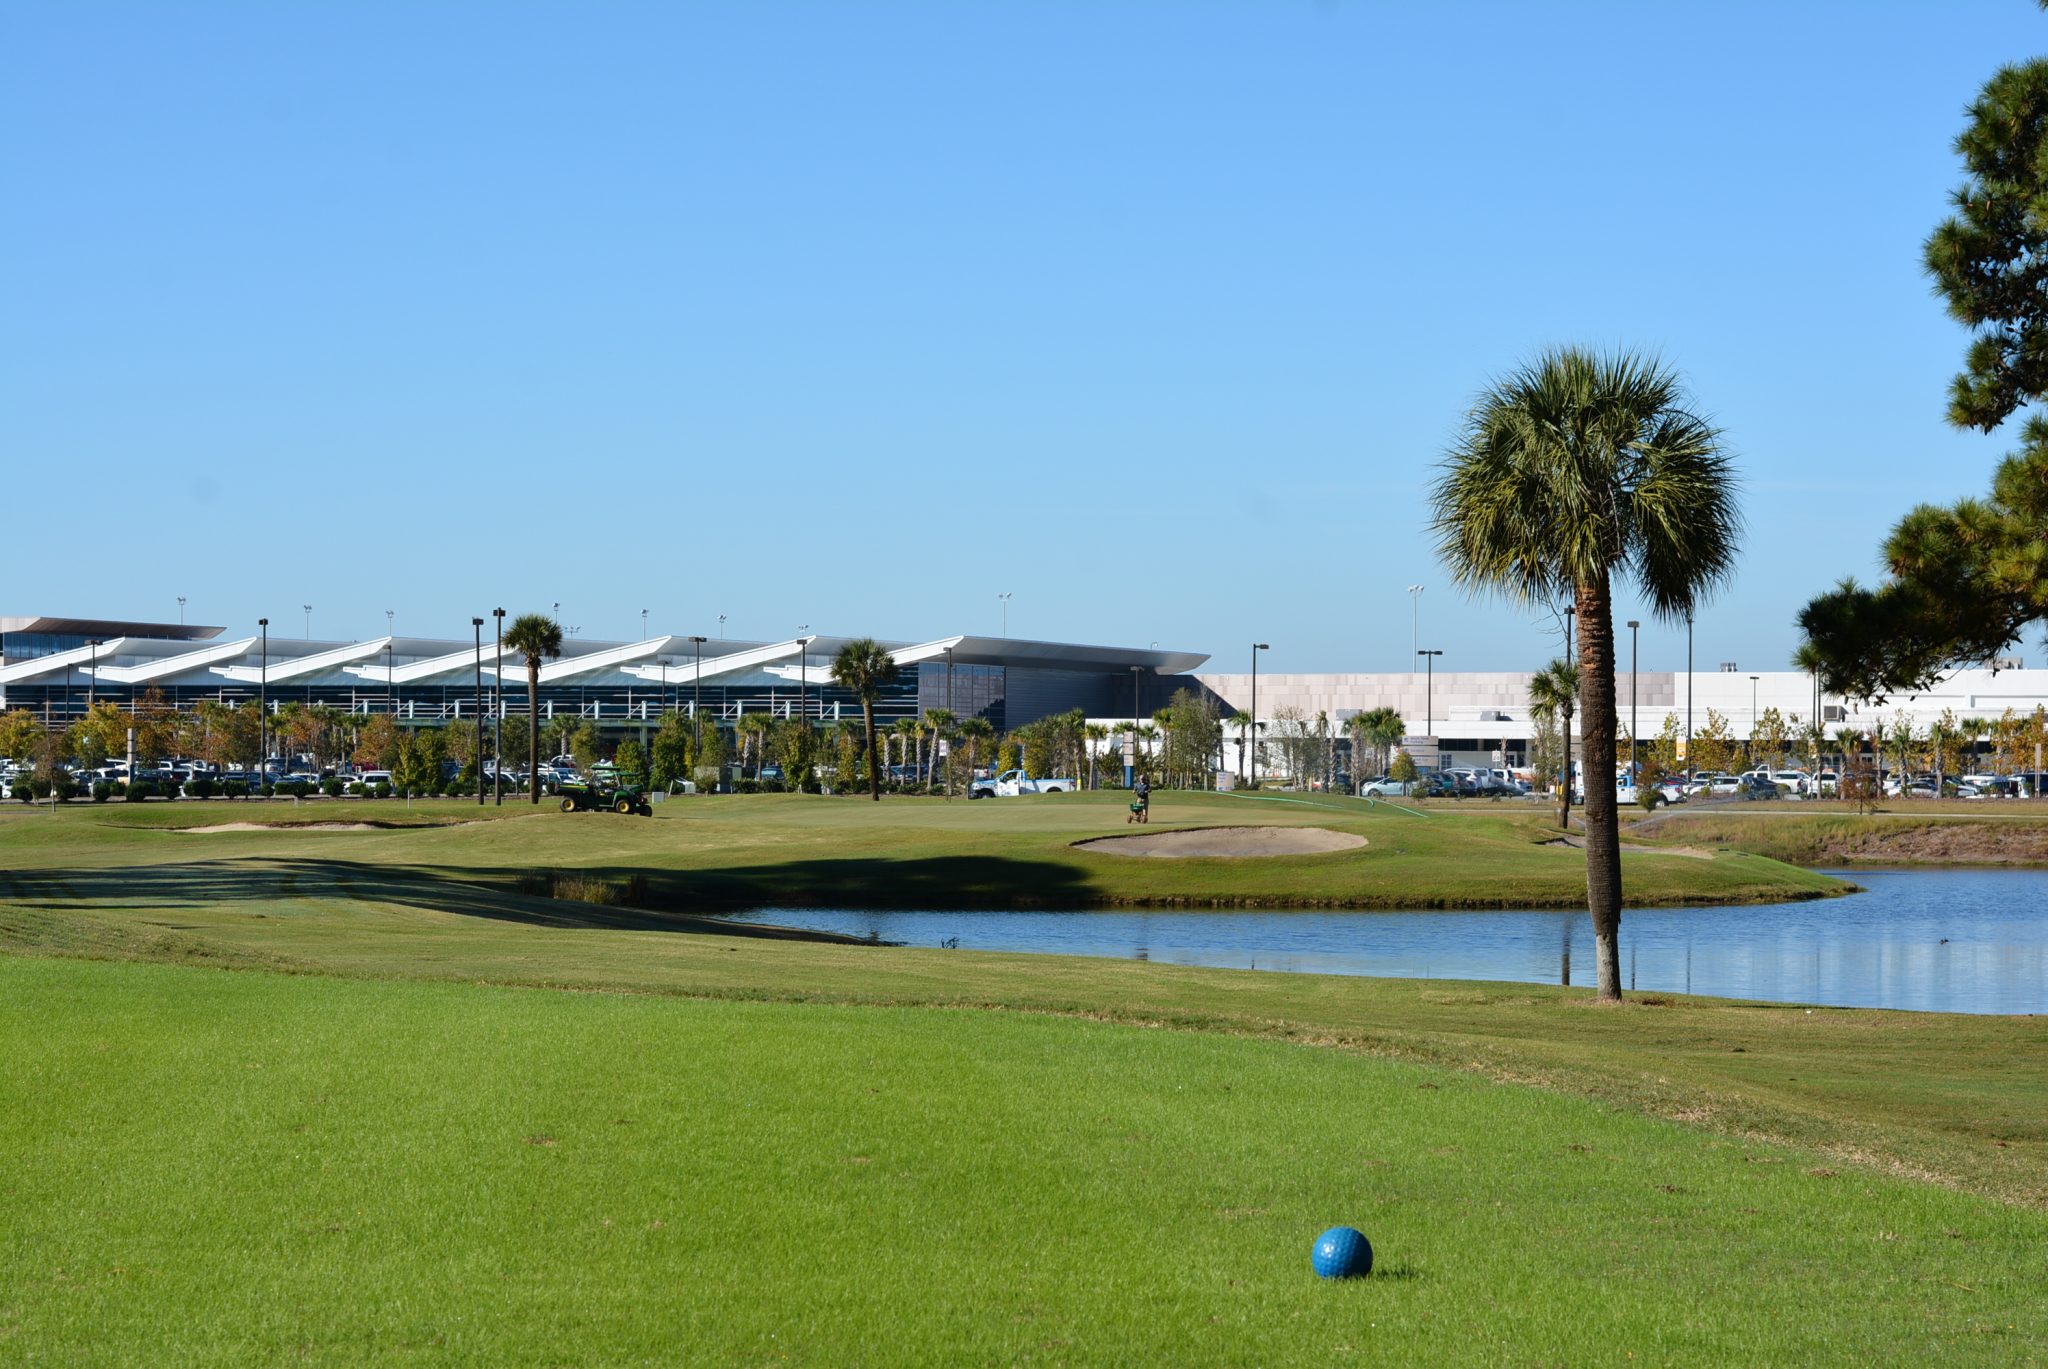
(1971, 941)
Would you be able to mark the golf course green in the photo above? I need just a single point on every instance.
(344, 1096)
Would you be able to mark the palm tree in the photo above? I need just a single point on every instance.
(537, 637)
(1095, 734)
(1553, 693)
(864, 669)
(1384, 729)
(941, 722)
(1569, 470)
(1242, 721)
(752, 731)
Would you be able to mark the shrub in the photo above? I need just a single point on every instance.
(269, 790)
(331, 788)
(746, 786)
(24, 791)
(203, 787)
(297, 789)
(774, 787)
(102, 791)
(381, 790)
(138, 791)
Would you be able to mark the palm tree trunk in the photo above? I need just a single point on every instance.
(867, 714)
(1564, 786)
(533, 727)
(1603, 826)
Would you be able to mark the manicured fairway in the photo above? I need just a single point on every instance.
(783, 850)
(199, 1167)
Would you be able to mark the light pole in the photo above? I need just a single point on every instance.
(1633, 624)
(1252, 780)
(498, 715)
(1131, 764)
(390, 689)
(697, 677)
(263, 706)
(390, 622)
(92, 676)
(1005, 597)
(1429, 696)
(721, 627)
(1571, 619)
(643, 624)
(478, 624)
(181, 610)
(309, 620)
(1688, 689)
(1414, 618)
(1752, 719)
(803, 667)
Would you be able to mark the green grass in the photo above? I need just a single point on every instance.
(208, 1168)
(1953, 834)
(720, 853)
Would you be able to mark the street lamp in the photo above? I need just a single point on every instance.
(697, 676)
(1131, 764)
(1633, 624)
(263, 706)
(1005, 597)
(1252, 775)
(478, 624)
(721, 627)
(181, 610)
(1428, 695)
(92, 676)
(1688, 689)
(309, 620)
(803, 666)
(1752, 719)
(1571, 618)
(643, 624)
(498, 714)
(1414, 617)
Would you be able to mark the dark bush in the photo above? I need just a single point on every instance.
(102, 791)
(774, 787)
(746, 786)
(24, 791)
(202, 787)
(381, 790)
(296, 789)
(138, 791)
(269, 790)
(331, 788)
(356, 789)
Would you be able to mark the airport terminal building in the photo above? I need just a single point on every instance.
(58, 667)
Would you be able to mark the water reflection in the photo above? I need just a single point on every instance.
(1948, 940)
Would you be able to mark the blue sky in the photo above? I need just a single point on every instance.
(1155, 315)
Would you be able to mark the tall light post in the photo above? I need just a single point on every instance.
(697, 677)
(1005, 597)
(92, 676)
(498, 714)
(1131, 764)
(1429, 696)
(1252, 779)
(1633, 624)
(1688, 689)
(803, 667)
(643, 624)
(181, 610)
(1752, 718)
(478, 624)
(309, 620)
(263, 705)
(390, 685)
(721, 627)
(390, 622)
(1571, 620)
(1414, 619)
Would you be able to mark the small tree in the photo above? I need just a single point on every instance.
(1402, 770)
(631, 761)
(671, 749)
(1767, 739)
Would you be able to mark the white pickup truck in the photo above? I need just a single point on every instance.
(1011, 783)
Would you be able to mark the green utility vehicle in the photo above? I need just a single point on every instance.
(605, 791)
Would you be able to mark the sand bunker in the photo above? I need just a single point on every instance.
(285, 827)
(1227, 841)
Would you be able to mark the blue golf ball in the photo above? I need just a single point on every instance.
(1342, 1252)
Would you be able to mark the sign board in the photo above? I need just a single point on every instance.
(1681, 748)
(945, 747)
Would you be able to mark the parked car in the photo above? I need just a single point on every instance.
(1714, 785)
(1384, 788)
(1013, 783)
(1756, 787)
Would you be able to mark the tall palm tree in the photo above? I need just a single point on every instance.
(752, 731)
(1553, 693)
(941, 722)
(1095, 734)
(1569, 470)
(1384, 729)
(864, 668)
(538, 638)
(975, 733)
(1242, 721)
